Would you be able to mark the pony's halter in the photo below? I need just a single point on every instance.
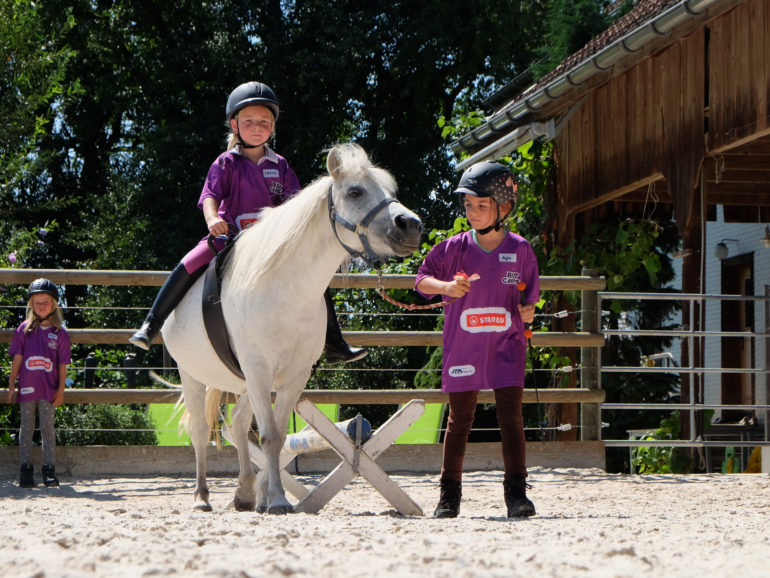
(361, 229)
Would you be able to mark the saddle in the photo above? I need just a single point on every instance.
(211, 306)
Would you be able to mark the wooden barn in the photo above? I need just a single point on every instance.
(670, 105)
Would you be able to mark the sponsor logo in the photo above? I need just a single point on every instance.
(276, 190)
(511, 278)
(507, 257)
(271, 173)
(38, 363)
(246, 220)
(27, 390)
(461, 370)
(485, 320)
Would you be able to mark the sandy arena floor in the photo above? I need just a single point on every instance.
(588, 524)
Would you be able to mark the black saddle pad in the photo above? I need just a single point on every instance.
(213, 316)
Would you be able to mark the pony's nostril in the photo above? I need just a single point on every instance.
(406, 223)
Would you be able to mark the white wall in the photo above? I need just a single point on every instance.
(748, 241)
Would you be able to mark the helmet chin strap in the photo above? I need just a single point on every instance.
(496, 227)
(245, 145)
(41, 319)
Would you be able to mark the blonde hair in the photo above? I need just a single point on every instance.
(33, 321)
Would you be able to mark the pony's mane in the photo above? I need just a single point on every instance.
(281, 228)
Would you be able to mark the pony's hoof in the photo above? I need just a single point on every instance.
(202, 507)
(243, 505)
(281, 509)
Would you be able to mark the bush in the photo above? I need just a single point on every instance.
(103, 424)
(661, 459)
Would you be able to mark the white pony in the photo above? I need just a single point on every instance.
(272, 298)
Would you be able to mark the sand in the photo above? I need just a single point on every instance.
(588, 523)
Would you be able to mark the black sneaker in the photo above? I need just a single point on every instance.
(26, 479)
(449, 499)
(49, 477)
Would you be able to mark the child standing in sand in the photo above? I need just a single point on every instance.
(40, 352)
(483, 340)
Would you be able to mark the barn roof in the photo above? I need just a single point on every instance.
(648, 27)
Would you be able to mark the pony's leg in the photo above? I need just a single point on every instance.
(271, 439)
(245, 495)
(198, 428)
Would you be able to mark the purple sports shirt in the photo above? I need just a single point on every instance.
(242, 187)
(484, 343)
(42, 352)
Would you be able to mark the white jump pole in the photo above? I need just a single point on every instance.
(308, 440)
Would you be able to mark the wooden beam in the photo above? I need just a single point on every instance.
(347, 281)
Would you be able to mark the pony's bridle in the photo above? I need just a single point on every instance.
(361, 229)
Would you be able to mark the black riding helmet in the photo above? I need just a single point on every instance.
(43, 286)
(251, 93)
(489, 179)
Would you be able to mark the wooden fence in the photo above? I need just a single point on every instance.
(589, 394)
(589, 453)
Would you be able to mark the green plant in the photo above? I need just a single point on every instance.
(103, 424)
(660, 459)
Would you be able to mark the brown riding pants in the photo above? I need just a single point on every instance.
(462, 407)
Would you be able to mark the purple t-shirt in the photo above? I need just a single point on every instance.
(484, 343)
(42, 352)
(242, 187)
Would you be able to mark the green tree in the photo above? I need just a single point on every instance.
(571, 24)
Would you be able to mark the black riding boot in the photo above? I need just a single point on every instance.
(519, 506)
(168, 297)
(49, 477)
(449, 499)
(337, 349)
(26, 479)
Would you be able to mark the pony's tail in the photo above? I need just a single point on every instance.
(213, 398)
(211, 412)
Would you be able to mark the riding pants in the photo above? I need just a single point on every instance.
(201, 255)
(462, 407)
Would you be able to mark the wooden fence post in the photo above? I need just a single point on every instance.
(590, 413)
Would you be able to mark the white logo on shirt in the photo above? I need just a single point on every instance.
(271, 173)
(485, 320)
(27, 390)
(461, 370)
(511, 278)
(507, 257)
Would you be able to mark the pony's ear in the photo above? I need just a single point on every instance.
(334, 162)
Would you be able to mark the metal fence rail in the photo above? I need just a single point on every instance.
(690, 337)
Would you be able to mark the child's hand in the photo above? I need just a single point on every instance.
(11, 392)
(527, 312)
(58, 398)
(218, 227)
(458, 287)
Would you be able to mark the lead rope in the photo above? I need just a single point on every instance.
(408, 306)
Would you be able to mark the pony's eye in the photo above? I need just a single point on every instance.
(355, 192)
